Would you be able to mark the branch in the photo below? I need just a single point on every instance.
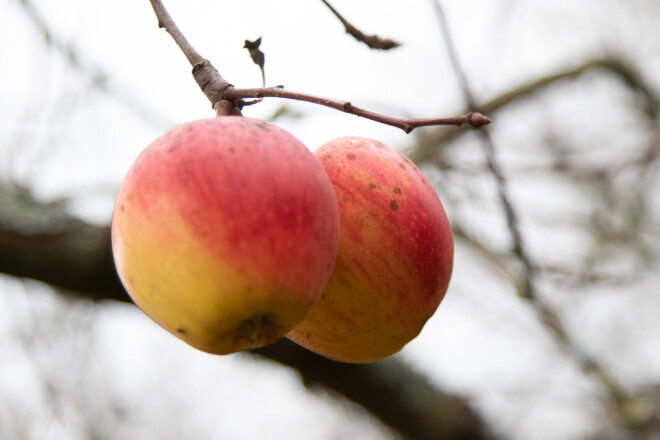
(373, 41)
(44, 242)
(166, 22)
(226, 99)
(547, 315)
(526, 286)
(474, 119)
(632, 78)
(99, 78)
(208, 78)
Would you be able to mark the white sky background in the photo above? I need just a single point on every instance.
(63, 137)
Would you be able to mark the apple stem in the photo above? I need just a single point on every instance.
(228, 100)
(222, 108)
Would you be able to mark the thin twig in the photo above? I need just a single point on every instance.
(227, 99)
(547, 315)
(526, 288)
(98, 77)
(425, 152)
(208, 78)
(474, 119)
(373, 41)
(166, 22)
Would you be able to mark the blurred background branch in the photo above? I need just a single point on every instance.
(98, 76)
(427, 150)
(42, 241)
(620, 401)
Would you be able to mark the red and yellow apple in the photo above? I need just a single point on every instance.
(395, 255)
(225, 232)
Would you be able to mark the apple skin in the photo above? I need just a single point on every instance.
(225, 232)
(395, 255)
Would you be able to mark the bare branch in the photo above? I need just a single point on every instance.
(208, 78)
(526, 287)
(547, 315)
(218, 90)
(475, 119)
(166, 22)
(632, 78)
(373, 41)
(98, 77)
(624, 71)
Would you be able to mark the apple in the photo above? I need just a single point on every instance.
(395, 255)
(225, 232)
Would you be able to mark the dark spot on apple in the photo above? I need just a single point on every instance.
(397, 190)
(232, 150)
(182, 331)
(173, 148)
(402, 166)
(255, 328)
(326, 157)
(122, 207)
(394, 205)
(351, 156)
(372, 185)
(308, 335)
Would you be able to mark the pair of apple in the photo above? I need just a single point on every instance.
(230, 234)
